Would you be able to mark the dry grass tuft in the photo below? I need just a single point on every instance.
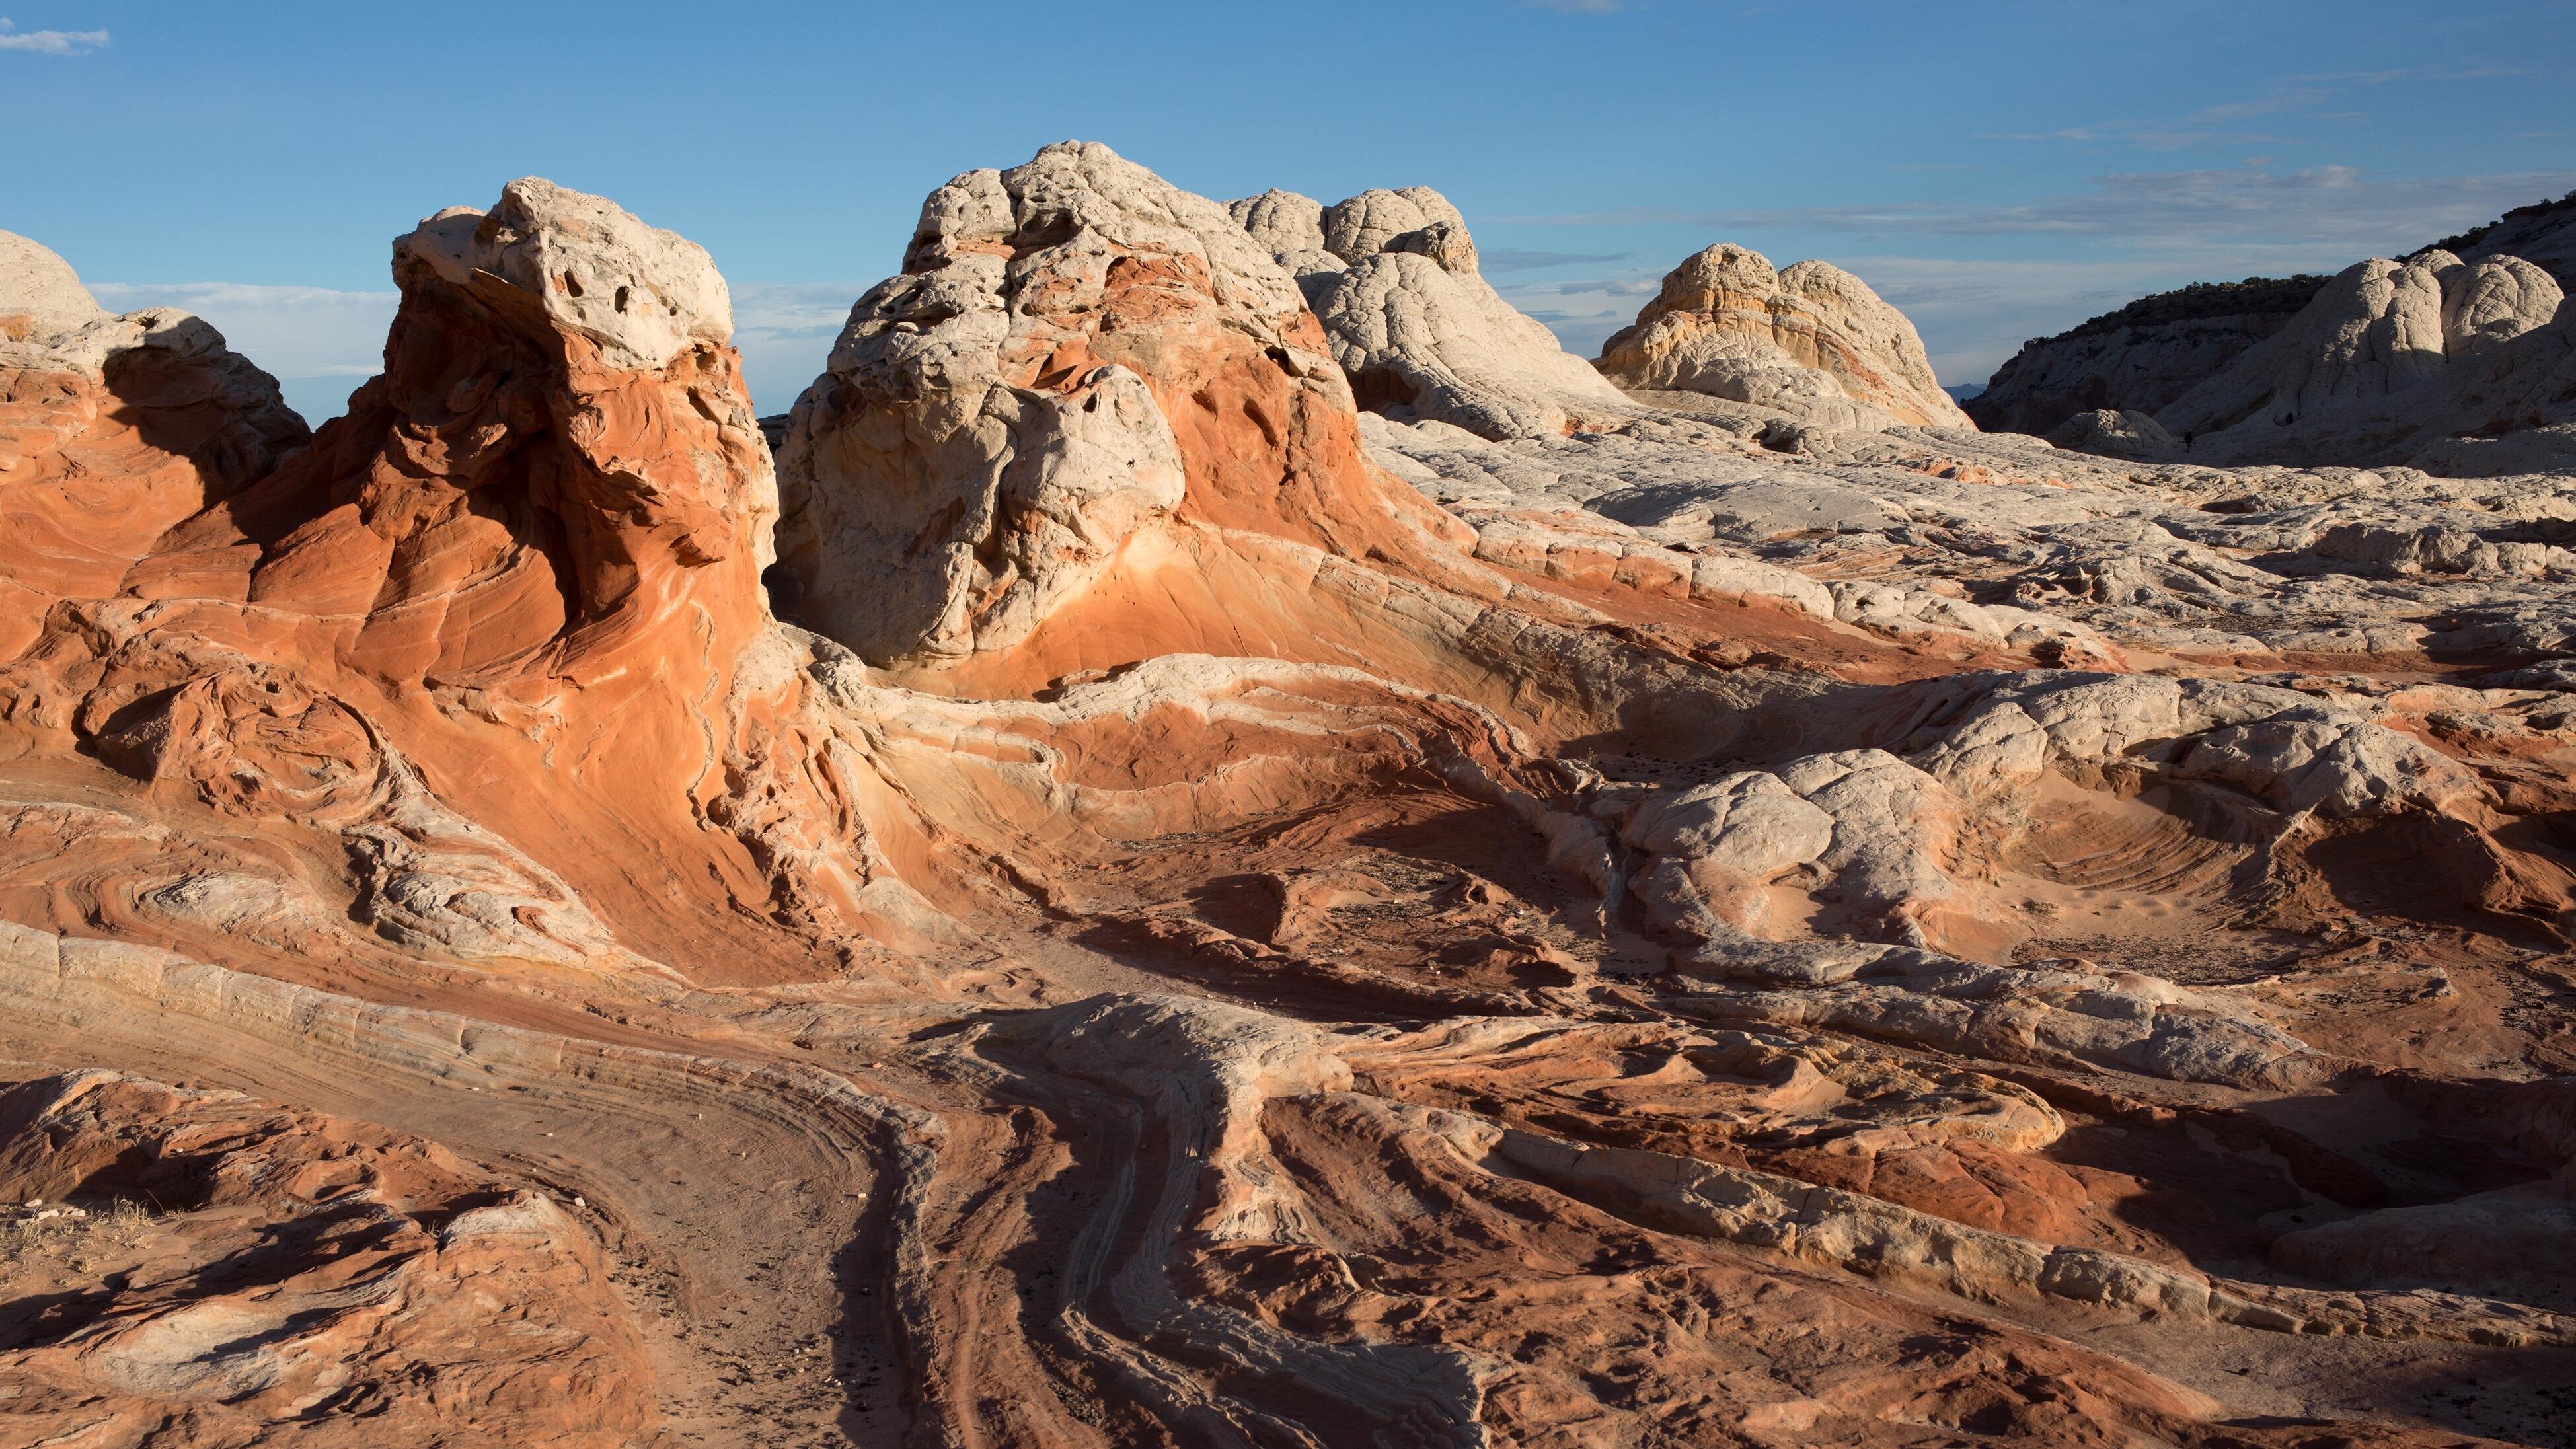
(69, 1235)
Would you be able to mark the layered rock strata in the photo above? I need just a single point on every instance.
(279, 1267)
(117, 427)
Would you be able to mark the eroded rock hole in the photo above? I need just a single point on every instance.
(1378, 389)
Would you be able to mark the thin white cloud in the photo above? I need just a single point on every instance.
(793, 309)
(2297, 95)
(1974, 314)
(2202, 211)
(1514, 259)
(784, 331)
(50, 42)
(317, 342)
(1584, 312)
(2296, 100)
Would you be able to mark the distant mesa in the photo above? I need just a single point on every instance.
(2356, 368)
(2138, 357)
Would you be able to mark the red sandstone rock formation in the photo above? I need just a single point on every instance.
(271, 1272)
(111, 430)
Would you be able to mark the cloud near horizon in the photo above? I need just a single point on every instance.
(785, 331)
(2164, 211)
(320, 343)
(1513, 259)
(50, 42)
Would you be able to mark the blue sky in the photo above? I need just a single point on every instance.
(1999, 169)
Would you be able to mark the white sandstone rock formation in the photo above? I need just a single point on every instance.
(1283, 221)
(41, 288)
(2121, 1019)
(2394, 362)
(1392, 276)
(949, 483)
(645, 295)
(2494, 301)
(2376, 329)
(1812, 341)
(2114, 434)
(1727, 840)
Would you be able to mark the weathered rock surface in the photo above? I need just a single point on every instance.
(1812, 341)
(281, 1272)
(2146, 355)
(1415, 327)
(1227, 915)
(113, 428)
(1079, 351)
(2449, 365)
(2136, 358)
(535, 343)
(2377, 328)
(2112, 434)
(2449, 360)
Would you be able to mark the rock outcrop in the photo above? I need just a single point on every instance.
(1812, 341)
(1414, 325)
(112, 429)
(2377, 328)
(485, 513)
(1077, 352)
(2111, 434)
(2375, 332)
(272, 1262)
(2137, 358)
(2390, 362)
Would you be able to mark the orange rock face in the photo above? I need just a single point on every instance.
(112, 429)
(1217, 917)
(512, 499)
(278, 1272)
